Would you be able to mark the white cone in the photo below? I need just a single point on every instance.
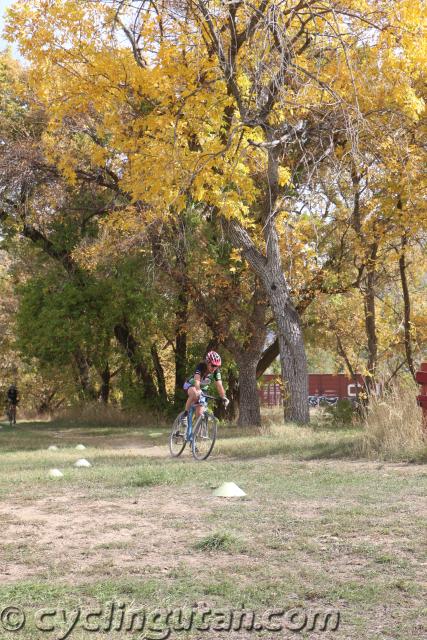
(80, 447)
(56, 473)
(82, 463)
(229, 490)
(52, 447)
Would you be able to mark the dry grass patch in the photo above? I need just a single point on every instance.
(393, 426)
(108, 416)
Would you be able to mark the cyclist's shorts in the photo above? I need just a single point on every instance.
(187, 385)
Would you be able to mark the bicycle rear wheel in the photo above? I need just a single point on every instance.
(204, 436)
(177, 439)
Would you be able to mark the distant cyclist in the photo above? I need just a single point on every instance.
(205, 373)
(12, 400)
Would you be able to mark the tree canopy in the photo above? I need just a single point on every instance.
(287, 138)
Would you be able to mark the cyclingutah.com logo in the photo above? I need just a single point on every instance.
(161, 624)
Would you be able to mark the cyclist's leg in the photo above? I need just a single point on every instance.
(204, 436)
(200, 409)
(192, 397)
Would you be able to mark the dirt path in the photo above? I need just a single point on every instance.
(82, 537)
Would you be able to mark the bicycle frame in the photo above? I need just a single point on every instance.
(189, 433)
(11, 412)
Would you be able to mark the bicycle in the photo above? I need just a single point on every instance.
(11, 413)
(201, 438)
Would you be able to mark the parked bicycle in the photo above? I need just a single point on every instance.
(201, 438)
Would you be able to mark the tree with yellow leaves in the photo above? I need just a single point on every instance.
(209, 100)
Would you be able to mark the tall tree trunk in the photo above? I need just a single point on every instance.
(104, 393)
(131, 348)
(248, 358)
(160, 375)
(181, 346)
(87, 390)
(233, 394)
(269, 271)
(370, 317)
(344, 355)
(406, 307)
(293, 359)
(368, 290)
(249, 405)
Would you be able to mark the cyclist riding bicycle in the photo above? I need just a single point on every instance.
(12, 399)
(204, 374)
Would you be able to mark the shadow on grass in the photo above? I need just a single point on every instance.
(300, 443)
(333, 450)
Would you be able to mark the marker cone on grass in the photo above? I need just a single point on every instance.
(56, 473)
(82, 463)
(229, 490)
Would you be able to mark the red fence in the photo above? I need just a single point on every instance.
(321, 386)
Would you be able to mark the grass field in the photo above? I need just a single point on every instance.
(318, 531)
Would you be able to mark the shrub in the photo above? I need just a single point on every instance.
(341, 414)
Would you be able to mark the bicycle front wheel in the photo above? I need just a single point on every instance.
(177, 439)
(204, 436)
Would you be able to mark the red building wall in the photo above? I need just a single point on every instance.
(329, 384)
(326, 385)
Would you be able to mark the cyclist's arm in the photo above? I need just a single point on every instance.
(220, 388)
(197, 381)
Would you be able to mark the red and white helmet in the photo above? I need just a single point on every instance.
(214, 358)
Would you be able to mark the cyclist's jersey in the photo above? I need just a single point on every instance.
(205, 377)
(12, 395)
